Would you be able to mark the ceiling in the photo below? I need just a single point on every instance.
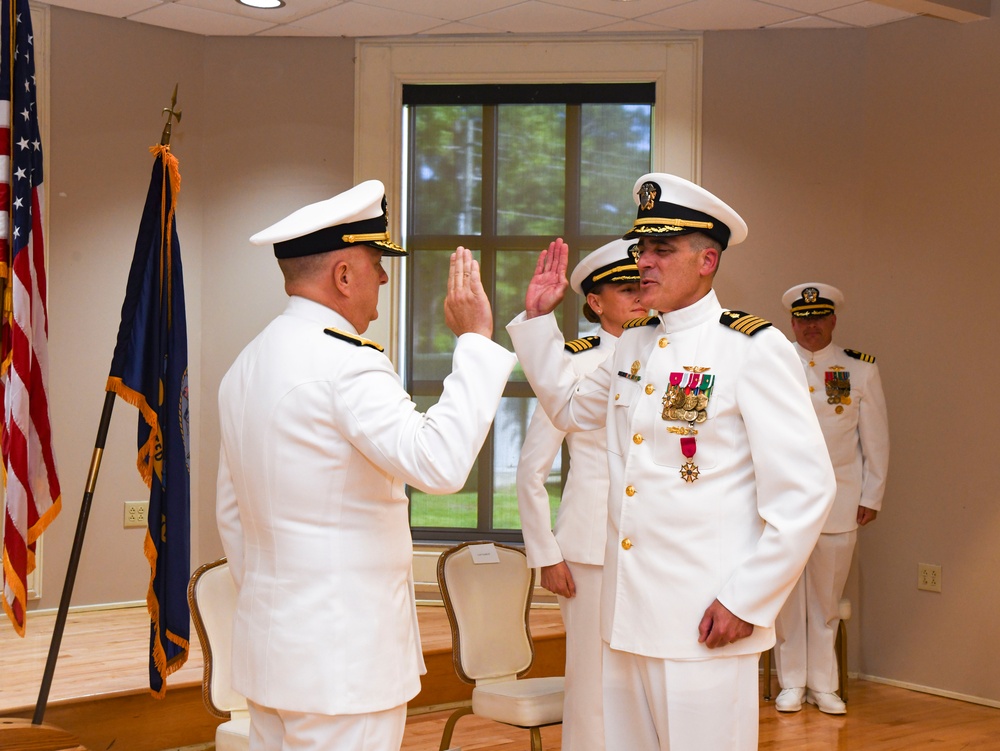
(366, 18)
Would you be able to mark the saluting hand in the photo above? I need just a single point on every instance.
(547, 287)
(466, 308)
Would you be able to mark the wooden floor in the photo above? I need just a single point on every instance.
(104, 652)
(879, 718)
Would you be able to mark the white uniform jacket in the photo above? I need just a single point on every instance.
(318, 439)
(743, 530)
(582, 519)
(856, 430)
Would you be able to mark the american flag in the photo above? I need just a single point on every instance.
(32, 498)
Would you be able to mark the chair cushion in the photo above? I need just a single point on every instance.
(527, 703)
(233, 735)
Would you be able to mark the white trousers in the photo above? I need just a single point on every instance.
(281, 730)
(806, 627)
(680, 705)
(583, 716)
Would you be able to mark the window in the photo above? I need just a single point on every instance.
(671, 62)
(503, 169)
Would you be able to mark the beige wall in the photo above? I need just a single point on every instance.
(266, 126)
(861, 158)
(869, 160)
(109, 81)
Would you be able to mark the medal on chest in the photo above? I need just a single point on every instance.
(838, 387)
(686, 400)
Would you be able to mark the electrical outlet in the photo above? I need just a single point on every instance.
(136, 513)
(929, 577)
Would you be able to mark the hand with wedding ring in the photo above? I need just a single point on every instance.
(466, 306)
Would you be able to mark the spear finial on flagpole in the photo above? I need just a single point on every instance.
(171, 113)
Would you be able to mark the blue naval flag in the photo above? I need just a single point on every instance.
(149, 371)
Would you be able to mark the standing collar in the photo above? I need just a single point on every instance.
(301, 307)
(827, 351)
(704, 310)
(604, 333)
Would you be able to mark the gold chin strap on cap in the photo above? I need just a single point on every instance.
(678, 223)
(371, 237)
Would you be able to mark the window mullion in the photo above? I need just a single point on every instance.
(572, 223)
(488, 269)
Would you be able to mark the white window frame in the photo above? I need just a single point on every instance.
(672, 62)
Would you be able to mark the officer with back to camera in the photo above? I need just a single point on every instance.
(318, 440)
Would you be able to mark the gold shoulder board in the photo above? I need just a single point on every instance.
(582, 344)
(859, 355)
(644, 321)
(354, 339)
(743, 322)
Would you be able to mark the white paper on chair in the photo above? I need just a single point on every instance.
(484, 553)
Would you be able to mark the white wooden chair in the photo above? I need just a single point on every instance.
(486, 589)
(212, 597)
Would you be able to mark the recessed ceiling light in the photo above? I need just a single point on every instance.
(266, 4)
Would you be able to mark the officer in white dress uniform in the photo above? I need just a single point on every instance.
(318, 440)
(846, 392)
(719, 478)
(571, 556)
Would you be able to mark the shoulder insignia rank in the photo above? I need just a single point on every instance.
(743, 322)
(644, 321)
(582, 344)
(358, 341)
(859, 355)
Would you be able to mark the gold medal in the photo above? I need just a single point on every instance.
(689, 471)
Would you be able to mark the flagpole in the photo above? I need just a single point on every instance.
(171, 114)
(85, 505)
(74, 558)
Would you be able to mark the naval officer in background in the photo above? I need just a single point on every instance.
(846, 392)
(318, 440)
(571, 555)
(719, 478)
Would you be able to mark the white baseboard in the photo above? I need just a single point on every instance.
(928, 690)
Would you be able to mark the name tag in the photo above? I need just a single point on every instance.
(484, 553)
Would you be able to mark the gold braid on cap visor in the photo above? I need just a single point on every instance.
(824, 307)
(617, 270)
